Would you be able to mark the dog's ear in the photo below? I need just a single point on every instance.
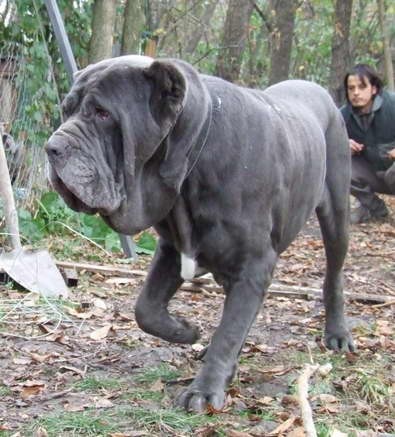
(168, 93)
(167, 101)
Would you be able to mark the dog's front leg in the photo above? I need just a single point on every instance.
(162, 282)
(242, 303)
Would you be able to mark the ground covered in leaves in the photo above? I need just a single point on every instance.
(83, 368)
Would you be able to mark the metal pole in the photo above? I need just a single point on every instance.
(127, 243)
(61, 37)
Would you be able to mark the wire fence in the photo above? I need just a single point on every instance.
(24, 126)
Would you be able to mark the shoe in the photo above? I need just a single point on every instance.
(363, 215)
(360, 215)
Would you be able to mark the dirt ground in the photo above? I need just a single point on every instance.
(84, 368)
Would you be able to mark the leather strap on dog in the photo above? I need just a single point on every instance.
(203, 136)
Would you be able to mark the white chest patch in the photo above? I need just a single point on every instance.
(188, 267)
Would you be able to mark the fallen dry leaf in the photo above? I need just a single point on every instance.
(21, 361)
(84, 315)
(289, 400)
(325, 369)
(157, 386)
(383, 327)
(234, 433)
(101, 403)
(100, 333)
(74, 370)
(283, 427)
(266, 400)
(32, 388)
(99, 303)
(74, 408)
(40, 432)
(277, 370)
(297, 432)
(326, 398)
(40, 358)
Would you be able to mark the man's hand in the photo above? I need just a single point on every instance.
(357, 148)
(391, 154)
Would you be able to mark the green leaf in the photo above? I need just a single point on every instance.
(30, 229)
(112, 243)
(146, 244)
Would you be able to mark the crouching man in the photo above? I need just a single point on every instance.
(370, 120)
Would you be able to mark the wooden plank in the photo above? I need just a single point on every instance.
(207, 283)
(70, 276)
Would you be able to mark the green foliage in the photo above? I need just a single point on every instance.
(144, 395)
(311, 55)
(162, 372)
(146, 244)
(323, 430)
(94, 384)
(173, 418)
(27, 37)
(371, 388)
(87, 423)
(54, 217)
(365, 35)
(5, 391)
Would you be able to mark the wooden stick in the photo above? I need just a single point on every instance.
(107, 270)
(207, 283)
(10, 212)
(386, 304)
(302, 392)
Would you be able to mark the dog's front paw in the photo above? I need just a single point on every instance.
(339, 340)
(197, 399)
(180, 331)
(163, 325)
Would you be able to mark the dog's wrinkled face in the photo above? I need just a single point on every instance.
(116, 116)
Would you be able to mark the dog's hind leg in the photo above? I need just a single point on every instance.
(162, 282)
(333, 216)
(243, 301)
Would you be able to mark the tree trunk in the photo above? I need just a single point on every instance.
(102, 30)
(235, 32)
(341, 58)
(283, 12)
(132, 27)
(197, 32)
(389, 69)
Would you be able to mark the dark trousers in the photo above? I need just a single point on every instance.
(365, 182)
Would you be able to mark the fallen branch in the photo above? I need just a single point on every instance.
(302, 393)
(386, 304)
(208, 284)
(52, 396)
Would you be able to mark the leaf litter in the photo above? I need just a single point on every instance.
(50, 349)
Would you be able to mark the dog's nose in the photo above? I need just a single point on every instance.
(55, 147)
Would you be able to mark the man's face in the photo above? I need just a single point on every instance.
(360, 92)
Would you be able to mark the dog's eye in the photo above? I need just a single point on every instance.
(102, 113)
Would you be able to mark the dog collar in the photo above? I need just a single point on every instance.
(203, 136)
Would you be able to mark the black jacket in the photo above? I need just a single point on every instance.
(378, 136)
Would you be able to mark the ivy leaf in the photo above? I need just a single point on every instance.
(146, 244)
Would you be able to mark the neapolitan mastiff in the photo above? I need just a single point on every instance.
(226, 175)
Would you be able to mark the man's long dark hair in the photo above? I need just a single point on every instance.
(364, 73)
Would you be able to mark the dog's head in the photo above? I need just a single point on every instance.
(116, 119)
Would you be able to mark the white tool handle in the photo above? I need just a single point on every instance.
(11, 215)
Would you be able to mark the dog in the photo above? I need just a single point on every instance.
(226, 175)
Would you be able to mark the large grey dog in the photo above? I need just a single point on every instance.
(226, 175)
